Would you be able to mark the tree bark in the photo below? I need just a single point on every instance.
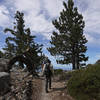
(73, 62)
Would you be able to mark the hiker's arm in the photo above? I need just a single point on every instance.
(52, 70)
(43, 69)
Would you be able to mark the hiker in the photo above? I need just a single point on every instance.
(48, 73)
(43, 65)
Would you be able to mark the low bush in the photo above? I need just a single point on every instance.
(85, 83)
(65, 76)
(58, 71)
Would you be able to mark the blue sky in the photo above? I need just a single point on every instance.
(39, 15)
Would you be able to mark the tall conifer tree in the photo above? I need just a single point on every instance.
(22, 42)
(68, 42)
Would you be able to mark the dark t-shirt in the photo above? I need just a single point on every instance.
(47, 71)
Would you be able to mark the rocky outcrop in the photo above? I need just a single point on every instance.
(98, 62)
(3, 64)
(21, 86)
(4, 83)
(16, 85)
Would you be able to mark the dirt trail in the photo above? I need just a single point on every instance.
(44, 95)
(58, 92)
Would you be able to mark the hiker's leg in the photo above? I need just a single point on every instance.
(46, 85)
(49, 82)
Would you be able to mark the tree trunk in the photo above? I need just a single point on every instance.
(77, 62)
(21, 65)
(73, 59)
(77, 58)
(73, 62)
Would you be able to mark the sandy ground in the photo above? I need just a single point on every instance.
(44, 95)
(58, 91)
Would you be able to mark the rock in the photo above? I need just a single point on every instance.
(2, 67)
(63, 94)
(20, 89)
(3, 64)
(4, 83)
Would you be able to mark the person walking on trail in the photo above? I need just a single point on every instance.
(48, 73)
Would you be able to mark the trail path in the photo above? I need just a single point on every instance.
(44, 95)
(58, 92)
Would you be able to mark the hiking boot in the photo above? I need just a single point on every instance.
(47, 91)
(49, 87)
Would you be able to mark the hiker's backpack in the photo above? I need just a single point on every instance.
(47, 70)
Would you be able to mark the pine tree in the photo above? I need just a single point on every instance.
(68, 42)
(15, 45)
(9, 49)
(22, 42)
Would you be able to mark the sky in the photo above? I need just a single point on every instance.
(38, 15)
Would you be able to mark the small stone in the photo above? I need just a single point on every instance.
(63, 94)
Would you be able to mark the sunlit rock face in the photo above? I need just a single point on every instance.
(4, 82)
(98, 62)
(4, 77)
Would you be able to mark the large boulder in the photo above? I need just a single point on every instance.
(3, 64)
(4, 82)
(98, 62)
